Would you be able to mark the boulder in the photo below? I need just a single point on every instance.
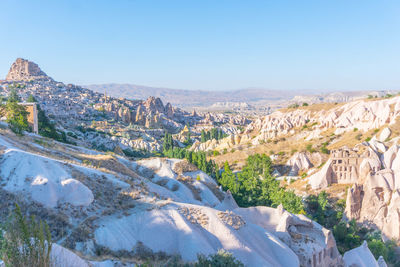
(376, 145)
(299, 161)
(370, 163)
(396, 163)
(381, 262)
(385, 134)
(361, 256)
(322, 178)
(390, 155)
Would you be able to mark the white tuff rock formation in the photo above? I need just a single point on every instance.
(298, 162)
(362, 257)
(313, 244)
(385, 134)
(374, 174)
(153, 205)
(374, 197)
(363, 115)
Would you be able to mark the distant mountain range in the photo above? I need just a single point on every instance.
(254, 97)
(193, 98)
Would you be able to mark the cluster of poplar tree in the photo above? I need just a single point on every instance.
(197, 158)
(214, 133)
(255, 186)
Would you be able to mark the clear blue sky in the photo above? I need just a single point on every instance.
(212, 45)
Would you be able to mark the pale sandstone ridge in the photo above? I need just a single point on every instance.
(361, 114)
(23, 69)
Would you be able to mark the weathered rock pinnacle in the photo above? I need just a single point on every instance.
(23, 69)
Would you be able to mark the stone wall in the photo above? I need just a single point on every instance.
(31, 108)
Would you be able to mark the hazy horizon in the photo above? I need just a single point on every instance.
(208, 45)
(298, 91)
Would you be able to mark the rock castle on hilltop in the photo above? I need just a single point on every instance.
(23, 69)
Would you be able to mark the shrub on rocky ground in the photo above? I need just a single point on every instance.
(25, 241)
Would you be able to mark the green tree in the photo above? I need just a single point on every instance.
(13, 96)
(323, 200)
(346, 235)
(228, 180)
(197, 158)
(255, 185)
(17, 116)
(188, 140)
(214, 133)
(26, 242)
(221, 259)
(322, 211)
(203, 136)
(31, 99)
(168, 142)
(208, 135)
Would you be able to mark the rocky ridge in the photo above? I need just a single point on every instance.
(362, 114)
(311, 123)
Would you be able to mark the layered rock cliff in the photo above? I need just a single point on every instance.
(362, 114)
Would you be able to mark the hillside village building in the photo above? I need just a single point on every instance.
(345, 166)
(31, 108)
(32, 117)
